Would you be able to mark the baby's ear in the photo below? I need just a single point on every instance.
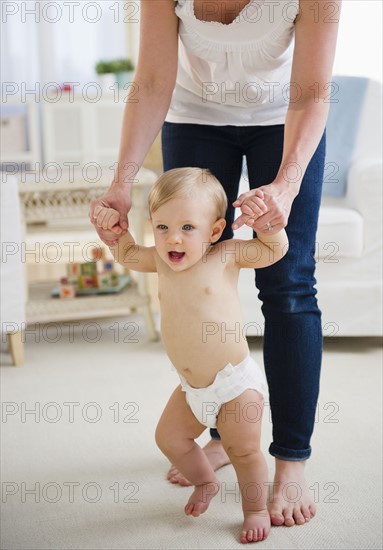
(217, 229)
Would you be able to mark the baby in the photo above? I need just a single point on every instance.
(220, 384)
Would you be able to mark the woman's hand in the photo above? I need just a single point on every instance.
(278, 200)
(118, 199)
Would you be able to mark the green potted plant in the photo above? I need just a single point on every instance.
(124, 70)
(105, 72)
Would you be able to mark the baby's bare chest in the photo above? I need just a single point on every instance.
(192, 291)
(204, 286)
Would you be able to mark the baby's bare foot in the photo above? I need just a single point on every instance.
(199, 502)
(291, 502)
(256, 526)
(216, 455)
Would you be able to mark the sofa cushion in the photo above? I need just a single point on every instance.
(339, 235)
(347, 98)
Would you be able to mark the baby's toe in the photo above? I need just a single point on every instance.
(289, 521)
(252, 535)
(261, 534)
(298, 517)
(189, 509)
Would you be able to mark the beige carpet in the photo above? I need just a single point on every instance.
(99, 480)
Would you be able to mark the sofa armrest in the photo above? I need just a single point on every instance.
(364, 194)
(364, 186)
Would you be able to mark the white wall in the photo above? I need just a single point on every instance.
(359, 47)
(56, 41)
(67, 49)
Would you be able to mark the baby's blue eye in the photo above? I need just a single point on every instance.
(161, 226)
(187, 227)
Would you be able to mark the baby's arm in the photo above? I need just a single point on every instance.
(126, 252)
(263, 251)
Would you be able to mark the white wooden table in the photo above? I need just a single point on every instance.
(56, 212)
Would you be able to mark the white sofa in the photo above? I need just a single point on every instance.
(349, 242)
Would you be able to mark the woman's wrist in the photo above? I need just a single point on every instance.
(292, 187)
(125, 175)
(122, 184)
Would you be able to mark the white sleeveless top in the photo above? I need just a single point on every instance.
(237, 74)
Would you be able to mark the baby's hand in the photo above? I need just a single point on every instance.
(108, 219)
(252, 206)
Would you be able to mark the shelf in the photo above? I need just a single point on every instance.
(18, 157)
(57, 206)
(42, 308)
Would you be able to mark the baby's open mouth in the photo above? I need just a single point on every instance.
(176, 257)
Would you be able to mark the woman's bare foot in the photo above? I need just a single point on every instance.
(256, 526)
(291, 502)
(216, 455)
(199, 501)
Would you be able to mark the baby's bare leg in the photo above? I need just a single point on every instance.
(175, 434)
(239, 424)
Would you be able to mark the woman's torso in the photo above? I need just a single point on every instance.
(238, 72)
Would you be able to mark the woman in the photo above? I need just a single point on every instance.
(250, 78)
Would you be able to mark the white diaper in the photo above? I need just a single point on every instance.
(228, 384)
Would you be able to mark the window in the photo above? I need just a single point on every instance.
(61, 41)
(359, 46)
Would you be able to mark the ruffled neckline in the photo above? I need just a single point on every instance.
(251, 4)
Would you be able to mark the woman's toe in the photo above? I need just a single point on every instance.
(289, 521)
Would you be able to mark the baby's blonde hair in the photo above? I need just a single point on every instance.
(188, 182)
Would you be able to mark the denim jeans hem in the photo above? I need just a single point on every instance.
(289, 454)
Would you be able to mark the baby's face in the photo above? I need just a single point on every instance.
(183, 229)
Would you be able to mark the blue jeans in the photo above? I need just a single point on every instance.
(292, 344)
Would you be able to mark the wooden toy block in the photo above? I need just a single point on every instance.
(73, 270)
(74, 282)
(66, 289)
(103, 280)
(89, 269)
(86, 281)
(109, 266)
(114, 279)
(98, 253)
